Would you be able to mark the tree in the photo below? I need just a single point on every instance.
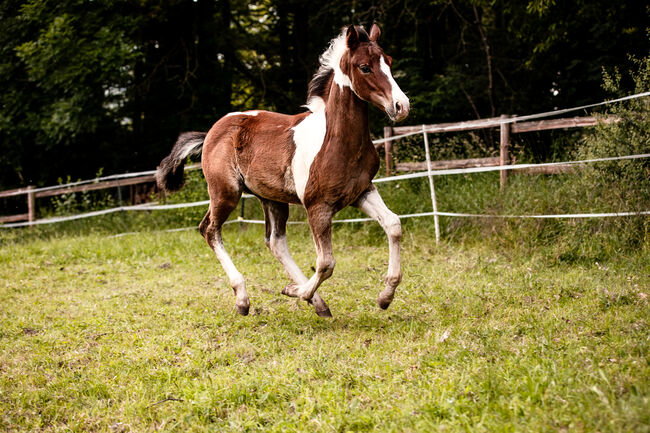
(65, 69)
(110, 83)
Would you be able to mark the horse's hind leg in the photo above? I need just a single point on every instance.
(371, 204)
(320, 223)
(221, 205)
(276, 215)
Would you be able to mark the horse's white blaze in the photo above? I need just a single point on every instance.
(398, 95)
(308, 136)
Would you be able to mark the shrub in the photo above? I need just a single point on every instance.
(618, 186)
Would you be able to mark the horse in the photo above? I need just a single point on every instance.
(322, 159)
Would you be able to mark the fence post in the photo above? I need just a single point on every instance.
(504, 145)
(436, 223)
(31, 204)
(388, 147)
(119, 193)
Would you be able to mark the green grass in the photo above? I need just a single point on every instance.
(139, 333)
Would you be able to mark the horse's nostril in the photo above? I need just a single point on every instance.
(398, 107)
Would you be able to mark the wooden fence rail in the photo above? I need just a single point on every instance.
(506, 129)
(33, 193)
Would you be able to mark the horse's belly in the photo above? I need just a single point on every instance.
(272, 183)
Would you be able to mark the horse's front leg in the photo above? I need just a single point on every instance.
(371, 204)
(320, 222)
(276, 215)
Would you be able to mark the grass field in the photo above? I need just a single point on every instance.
(139, 333)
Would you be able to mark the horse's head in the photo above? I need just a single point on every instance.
(367, 70)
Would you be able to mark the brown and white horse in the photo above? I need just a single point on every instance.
(322, 159)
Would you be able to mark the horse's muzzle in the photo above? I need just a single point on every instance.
(399, 109)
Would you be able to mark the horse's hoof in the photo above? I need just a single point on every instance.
(324, 313)
(290, 290)
(383, 303)
(243, 309)
(385, 298)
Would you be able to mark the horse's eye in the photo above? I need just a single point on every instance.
(365, 69)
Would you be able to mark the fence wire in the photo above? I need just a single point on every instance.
(156, 206)
(429, 173)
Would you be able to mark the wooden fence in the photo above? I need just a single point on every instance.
(506, 129)
(33, 193)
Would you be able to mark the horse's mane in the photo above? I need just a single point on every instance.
(329, 61)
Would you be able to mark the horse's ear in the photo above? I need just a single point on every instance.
(352, 37)
(375, 32)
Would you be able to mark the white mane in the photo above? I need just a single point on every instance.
(331, 58)
(330, 61)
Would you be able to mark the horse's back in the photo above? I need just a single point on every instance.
(256, 146)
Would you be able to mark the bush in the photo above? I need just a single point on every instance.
(620, 186)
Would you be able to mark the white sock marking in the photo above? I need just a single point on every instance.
(372, 205)
(235, 277)
(280, 249)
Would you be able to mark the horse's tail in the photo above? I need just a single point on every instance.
(170, 172)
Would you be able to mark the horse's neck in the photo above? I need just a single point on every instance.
(347, 121)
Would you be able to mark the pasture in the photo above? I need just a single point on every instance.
(139, 333)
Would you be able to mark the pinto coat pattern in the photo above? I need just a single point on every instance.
(322, 159)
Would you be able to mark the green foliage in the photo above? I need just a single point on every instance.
(194, 189)
(75, 61)
(443, 147)
(111, 83)
(621, 185)
(65, 75)
(75, 203)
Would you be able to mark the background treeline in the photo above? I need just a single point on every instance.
(109, 84)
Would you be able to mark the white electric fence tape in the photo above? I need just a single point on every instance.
(155, 206)
(417, 215)
(449, 171)
(429, 173)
